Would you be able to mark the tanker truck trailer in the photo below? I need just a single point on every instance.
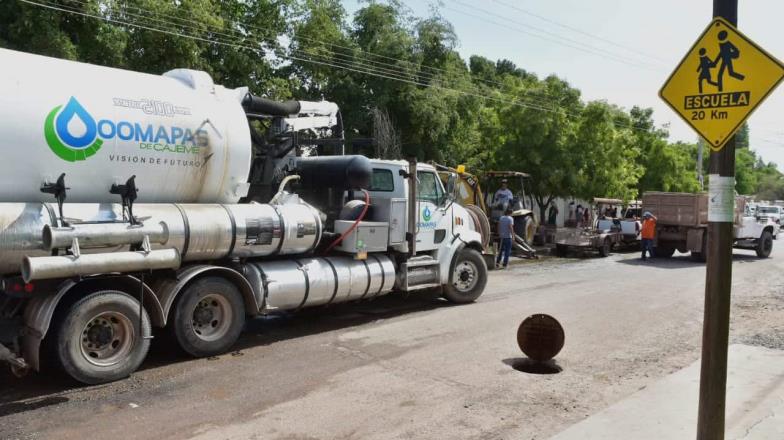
(131, 201)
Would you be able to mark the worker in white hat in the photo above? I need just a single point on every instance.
(503, 196)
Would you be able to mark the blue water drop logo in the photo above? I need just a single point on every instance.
(65, 144)
(73, 109)
(426, 214)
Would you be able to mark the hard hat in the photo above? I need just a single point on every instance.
(503, 181)
(647, 214)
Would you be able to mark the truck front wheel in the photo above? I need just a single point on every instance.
(468, 277)
(765, 245)
(98, 337)
(208, 317)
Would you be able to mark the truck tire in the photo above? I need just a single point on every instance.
(561, 250)
(98, 338)
(209, 316)
(663, 252)
(701, 256)
(605, 248)
(467, 278)
(525, 228)
(765, 245)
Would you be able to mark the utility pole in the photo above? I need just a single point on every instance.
(716, 323)
(700, 177)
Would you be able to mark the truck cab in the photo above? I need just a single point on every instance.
(440, 228)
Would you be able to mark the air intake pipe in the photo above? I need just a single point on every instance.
(339, 172)
(43, 268)
(264, 106)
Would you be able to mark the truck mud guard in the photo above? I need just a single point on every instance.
(168, 288)
(39, 312)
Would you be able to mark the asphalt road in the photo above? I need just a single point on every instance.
(417, 367)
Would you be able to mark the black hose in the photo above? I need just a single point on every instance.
(263, 106)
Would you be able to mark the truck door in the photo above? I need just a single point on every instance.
(430, 200)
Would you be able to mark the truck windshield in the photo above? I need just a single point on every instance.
(768, 209)
(428, 187)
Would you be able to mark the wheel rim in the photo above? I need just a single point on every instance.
(212, 317)
(465, 276)
(107, 339)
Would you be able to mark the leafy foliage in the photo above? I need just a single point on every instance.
(394, 73)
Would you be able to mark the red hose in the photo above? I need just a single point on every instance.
(353, 226)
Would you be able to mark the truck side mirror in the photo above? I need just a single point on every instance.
(451, 188)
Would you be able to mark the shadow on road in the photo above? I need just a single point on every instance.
(530, 366)
(268, 330)
(45, 389)
(682, 261)
(19, 407)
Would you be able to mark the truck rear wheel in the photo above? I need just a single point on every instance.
(208, 317)
(765, 245)
(468, 277)
(701, 256)
(98, 337)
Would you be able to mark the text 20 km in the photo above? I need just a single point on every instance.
(714, 114)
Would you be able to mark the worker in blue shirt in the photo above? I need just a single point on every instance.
(504, 195)
(505, 233)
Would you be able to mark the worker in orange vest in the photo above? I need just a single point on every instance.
(648, 233)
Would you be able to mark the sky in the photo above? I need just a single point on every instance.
(620, 51)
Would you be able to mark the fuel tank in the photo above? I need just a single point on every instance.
(185, 138)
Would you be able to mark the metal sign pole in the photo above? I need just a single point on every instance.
(716, 323)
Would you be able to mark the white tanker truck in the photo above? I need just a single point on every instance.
(130, 201)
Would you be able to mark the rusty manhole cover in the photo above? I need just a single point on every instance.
(540, 337)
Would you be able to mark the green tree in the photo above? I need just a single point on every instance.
(606, 155)
(250, 26)
(30, 28)
(667, 167)
(538, 142)
(742, 136)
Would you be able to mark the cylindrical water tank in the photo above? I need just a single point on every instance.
(183, 137)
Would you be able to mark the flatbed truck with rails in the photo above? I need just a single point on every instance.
(682, 225)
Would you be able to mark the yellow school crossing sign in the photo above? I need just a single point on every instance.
(720, 81)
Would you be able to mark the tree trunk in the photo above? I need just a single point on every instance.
(543, 207)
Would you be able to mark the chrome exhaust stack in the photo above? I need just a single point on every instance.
(66, 266)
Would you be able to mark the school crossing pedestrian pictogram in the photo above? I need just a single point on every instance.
(720, 81)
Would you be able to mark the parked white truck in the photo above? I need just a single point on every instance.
(682, 224)
(130, 201)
